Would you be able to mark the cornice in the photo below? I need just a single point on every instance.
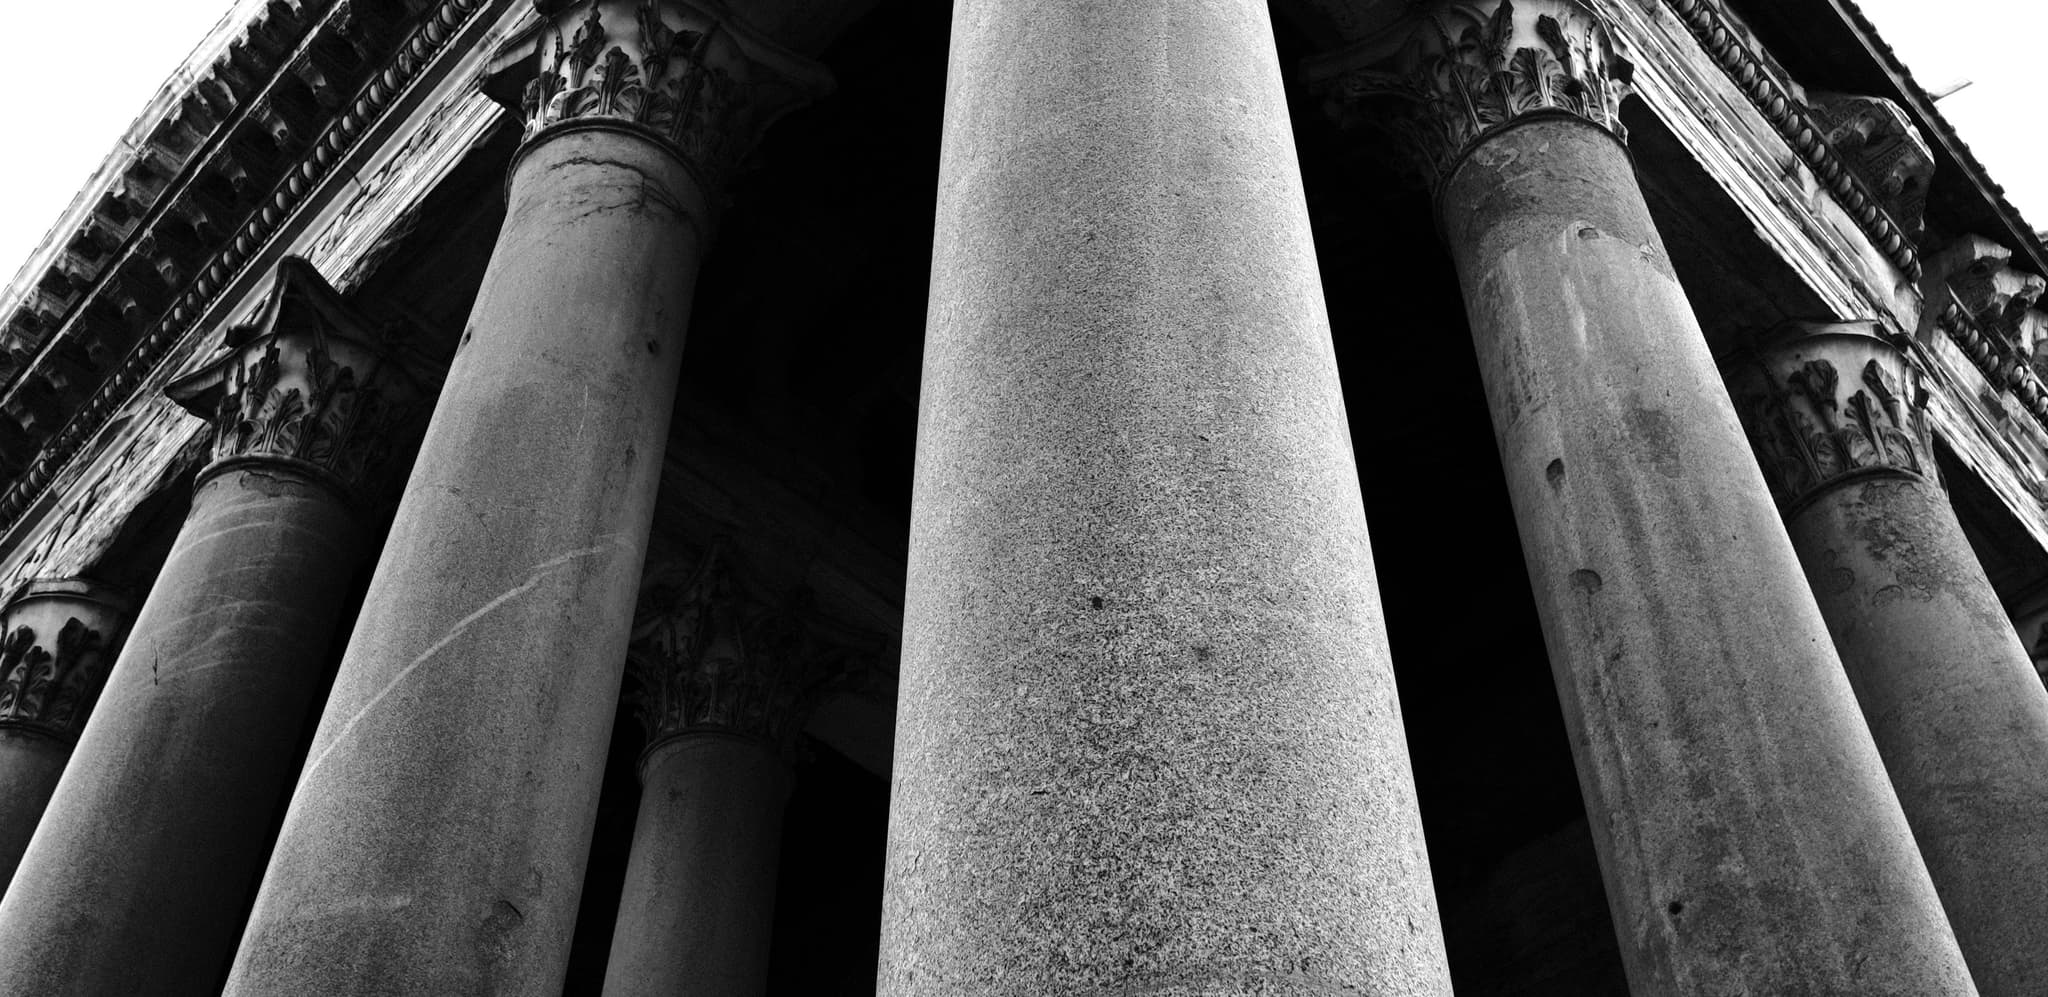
(1788, 114)
(267, 155)
(1924, 106)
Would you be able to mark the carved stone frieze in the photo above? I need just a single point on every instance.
(307, 384)
(696, 82)
(1829, 403)
(1453, 72)
(1883, 148)
(706, 657)
(57, 642)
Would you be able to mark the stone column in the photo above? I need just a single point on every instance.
(438, 836)
(718, 683)
(1148, 739)
(1950, 693)
(56, 641)
(1749, 838)
(159, 831)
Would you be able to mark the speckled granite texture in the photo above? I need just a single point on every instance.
(1148, 741)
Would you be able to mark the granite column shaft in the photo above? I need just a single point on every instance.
(157, 836)
(1748, 836)
(439, 834)
(1148, 738)
(436, 842)
(1949, 691)
(716, 678)
(698, 912)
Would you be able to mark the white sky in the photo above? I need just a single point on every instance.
(1993, 44)
(74, 98)
(73, 112)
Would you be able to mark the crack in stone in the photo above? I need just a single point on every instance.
(533, 578)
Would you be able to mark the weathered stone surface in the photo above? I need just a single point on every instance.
(699, 904)
(436, 843)
(141, 877)
(1148, 740)
(1748, 835)
(1949, 691)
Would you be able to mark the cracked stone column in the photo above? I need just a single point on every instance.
(1839, 425)
(56, 641)
(438, 836)
(718, 688)
(1749, 838)
(141, 876)
(1148, 739)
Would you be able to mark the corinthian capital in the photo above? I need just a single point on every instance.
(1455, 71)
(1830, 403)
(306, 385)
(707, 658)
(57, 642)
(683, 74)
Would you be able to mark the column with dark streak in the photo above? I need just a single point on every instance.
(1749, 838)
(141, 875)
(437, 840)
(57, 640)
(1948, 689)
(1148, 740)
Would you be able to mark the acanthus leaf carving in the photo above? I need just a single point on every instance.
(1812, 428)
(57, 643)
(707, 657)
(687, 78)
(1457, 70)
(307, 385)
